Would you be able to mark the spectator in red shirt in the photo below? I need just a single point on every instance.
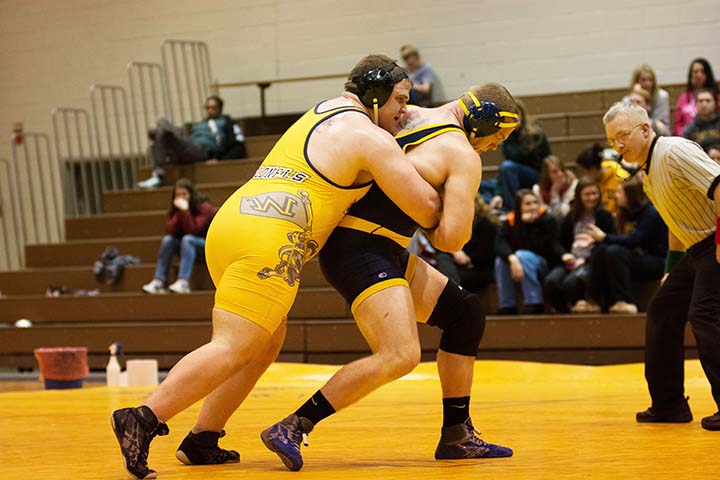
(189, 217)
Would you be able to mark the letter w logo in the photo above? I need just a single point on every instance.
(266, 204)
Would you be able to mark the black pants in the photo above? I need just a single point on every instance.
(614, 267)
(691, 292)
(169, 146)
(563, 288)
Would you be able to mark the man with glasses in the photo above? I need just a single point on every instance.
(215, 137)
(684, 185)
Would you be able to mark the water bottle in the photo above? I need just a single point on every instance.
(112, 371)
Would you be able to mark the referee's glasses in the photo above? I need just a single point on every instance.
(622, 136)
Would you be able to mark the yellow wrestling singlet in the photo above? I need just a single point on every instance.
(264, 233)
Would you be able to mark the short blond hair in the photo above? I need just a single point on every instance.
(408, 49)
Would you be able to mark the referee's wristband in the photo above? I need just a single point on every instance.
(672, 258)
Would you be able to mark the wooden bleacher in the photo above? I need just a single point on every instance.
(320, 325)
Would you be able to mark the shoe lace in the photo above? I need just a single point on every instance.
(161, 429)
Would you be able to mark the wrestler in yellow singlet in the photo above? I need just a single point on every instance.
(263, 234)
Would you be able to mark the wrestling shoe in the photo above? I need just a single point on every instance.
(459, 441)
(202, 449)
(284, 439)
(712, 422)
(679, 414)
(134, 429)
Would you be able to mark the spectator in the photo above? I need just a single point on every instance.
(524, 151)
(216, 137)
(527, 248)
(473, 266)
(705, 127)
(640, 96)
(644, 78)
(189, 217)
(700, 75)
(635, 253)
(593, 162)
(421, 74)
(567, 283)
(556, 187)
(714, 152)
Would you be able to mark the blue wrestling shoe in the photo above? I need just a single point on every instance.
(460, 442)
(284, 439)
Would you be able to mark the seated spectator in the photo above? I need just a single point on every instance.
(216, 137)
(635, 253)
(189, 217)
(700, 75)
(473, 266)
(644, 78)
(527, 249)
(593, 162)
(567, 283)
(421, 75)
(556, 187)
(714, 152)
(705, 127)
(640, 96)
(524, 151)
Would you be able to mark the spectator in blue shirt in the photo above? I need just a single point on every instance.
(421, 74)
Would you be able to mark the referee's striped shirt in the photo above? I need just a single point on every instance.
(680, 182)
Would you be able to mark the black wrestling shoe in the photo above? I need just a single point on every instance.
(134, 429)
(202, 449)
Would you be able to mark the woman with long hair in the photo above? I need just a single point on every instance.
(644, 78)
(700, 75)
(527, 249)
(566, 284)
(556, 187)
(635, 253)
(189, 217)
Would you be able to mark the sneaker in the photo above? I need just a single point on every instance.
(202, 449)
(507, 311)
(284, 439)
(678, 414)
(623, 307)
(180, 286)
(152, 182)
(134, 429)
(712, 422)
(155, 287)
(459, 441)
(534, 309)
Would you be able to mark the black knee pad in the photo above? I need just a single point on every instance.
(461, 316)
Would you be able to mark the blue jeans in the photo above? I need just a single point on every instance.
(534, 268)
(189, 247)
(512, 177)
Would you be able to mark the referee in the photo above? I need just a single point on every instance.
(683, 184)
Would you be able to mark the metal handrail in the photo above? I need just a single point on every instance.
(11, 232)
(265, 84)
(147, 79)
(178, 58)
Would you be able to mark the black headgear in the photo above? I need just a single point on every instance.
(484, 118)
(375, 86)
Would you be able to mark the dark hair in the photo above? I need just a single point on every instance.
(712, 93)
(591, 158)
(373, 62)
(709, 77)
(635, 198)
(578, 209)
(517, 232)
(196, 198)
(217, 100)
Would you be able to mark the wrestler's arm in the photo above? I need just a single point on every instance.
(397, 177)
(461, 185)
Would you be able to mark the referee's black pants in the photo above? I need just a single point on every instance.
(691, 292)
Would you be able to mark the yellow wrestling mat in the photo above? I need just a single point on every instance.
(562, 421)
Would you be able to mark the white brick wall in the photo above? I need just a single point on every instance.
(51, 51)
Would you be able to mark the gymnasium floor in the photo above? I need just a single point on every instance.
(562, 421)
